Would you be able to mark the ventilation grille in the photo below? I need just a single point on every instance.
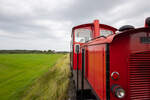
(139, 76)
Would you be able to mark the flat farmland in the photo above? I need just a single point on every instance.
(18, 72)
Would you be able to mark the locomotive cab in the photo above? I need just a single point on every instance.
(80, 35)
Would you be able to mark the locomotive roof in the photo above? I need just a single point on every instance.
(91, 24)
(132, 31)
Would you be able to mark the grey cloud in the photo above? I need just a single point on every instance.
(18, 20)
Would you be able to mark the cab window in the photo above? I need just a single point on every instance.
(105, 32)
(82, 35)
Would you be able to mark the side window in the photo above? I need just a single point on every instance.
(76, 47)
(105, 33)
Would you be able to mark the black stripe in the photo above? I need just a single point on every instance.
(107, 73)
(83, 66)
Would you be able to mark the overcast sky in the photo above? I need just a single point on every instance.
(47, 24)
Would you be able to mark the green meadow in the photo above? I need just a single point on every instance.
(19, 73)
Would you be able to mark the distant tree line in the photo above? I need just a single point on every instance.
(26, 51)
(30, 51)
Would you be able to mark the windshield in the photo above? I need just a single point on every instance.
(82, 35)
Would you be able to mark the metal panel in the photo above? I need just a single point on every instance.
(139, 76)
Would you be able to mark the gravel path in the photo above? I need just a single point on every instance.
(71, 91)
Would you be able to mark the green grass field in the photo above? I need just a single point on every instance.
(53, 85)
(19, 71)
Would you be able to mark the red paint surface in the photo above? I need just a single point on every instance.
(121, 47)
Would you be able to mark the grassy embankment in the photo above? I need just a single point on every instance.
(19, 76)
(52, 85)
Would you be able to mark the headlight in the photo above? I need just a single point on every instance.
(118, 91)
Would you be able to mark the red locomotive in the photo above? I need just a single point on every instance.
(111, 64)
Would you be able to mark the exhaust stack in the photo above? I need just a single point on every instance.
(96, 29)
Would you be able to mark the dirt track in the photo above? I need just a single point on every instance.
(71, 91)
